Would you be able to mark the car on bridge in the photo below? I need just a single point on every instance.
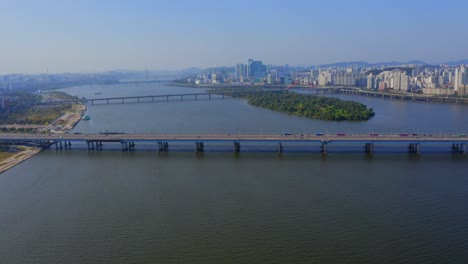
(319, 134)
(403, 134)
(341, 134)
(374, 135)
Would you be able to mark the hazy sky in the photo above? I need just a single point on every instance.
(99, 35)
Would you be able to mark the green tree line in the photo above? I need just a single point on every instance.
(311, 106)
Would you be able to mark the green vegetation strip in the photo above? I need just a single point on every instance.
(311, 106)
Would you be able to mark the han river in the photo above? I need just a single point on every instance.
(253, 207)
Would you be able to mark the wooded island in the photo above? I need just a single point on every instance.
(311, 106)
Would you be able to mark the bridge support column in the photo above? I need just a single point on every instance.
(459, 148)
(414, 148)
(167, 98)
(236, 147)
(56, 146)
(196, 97)
(152, 98)
(123, 101)
(280, 148)
(209, 96)
(324, 148)
(124, 146)
(369, 148)
(60, 146)
(163, 146)
(199, 147)
(107, 101)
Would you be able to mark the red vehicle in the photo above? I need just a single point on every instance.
(403, 135)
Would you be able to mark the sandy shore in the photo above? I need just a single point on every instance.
(18, 157)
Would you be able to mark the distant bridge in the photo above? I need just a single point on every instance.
(457, 143)
(221, 95)
(154, 98)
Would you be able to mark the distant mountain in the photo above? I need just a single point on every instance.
(367, 64)
(459, 62)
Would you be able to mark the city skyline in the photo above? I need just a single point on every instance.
(87, 36)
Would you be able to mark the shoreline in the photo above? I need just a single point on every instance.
(18, 158)
(67, 122)
(356, 91)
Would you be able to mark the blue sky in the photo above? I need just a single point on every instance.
(90, 36)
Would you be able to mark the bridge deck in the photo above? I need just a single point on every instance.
(230, 137)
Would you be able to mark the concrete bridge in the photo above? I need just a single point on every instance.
(222, 94)
(129, 142)
(155, 98)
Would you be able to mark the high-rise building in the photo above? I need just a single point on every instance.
(370, 81)
(241, 71)
(257, 69)
(249, 68)
(405, 84)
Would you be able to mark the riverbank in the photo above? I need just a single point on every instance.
(341, 90)
(61, 125)
(9, 160)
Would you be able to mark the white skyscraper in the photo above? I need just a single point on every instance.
(458, 80)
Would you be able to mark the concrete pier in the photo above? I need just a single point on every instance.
(414, 148)
(323, 147)
(280, 148)
(459, 148)
(199, 147)
(163, 146)
(236, 147)
(369, 148)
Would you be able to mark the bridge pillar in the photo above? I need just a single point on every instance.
(123, 100)
(196, 98)
(163, 146)
(152, 98)
(280, 148)
(369, 148)
(107, 101)
(236, 147)
(463, 148)
(323, 147)
(209, 96)
(56, 145)
(414, 148)
(61, 147)
(167, 98)
(138, 100)
(199, 147)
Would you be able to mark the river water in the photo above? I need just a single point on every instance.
(179, 207)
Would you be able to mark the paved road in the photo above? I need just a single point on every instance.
(233, 137)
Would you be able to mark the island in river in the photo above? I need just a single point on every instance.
(311, 106)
